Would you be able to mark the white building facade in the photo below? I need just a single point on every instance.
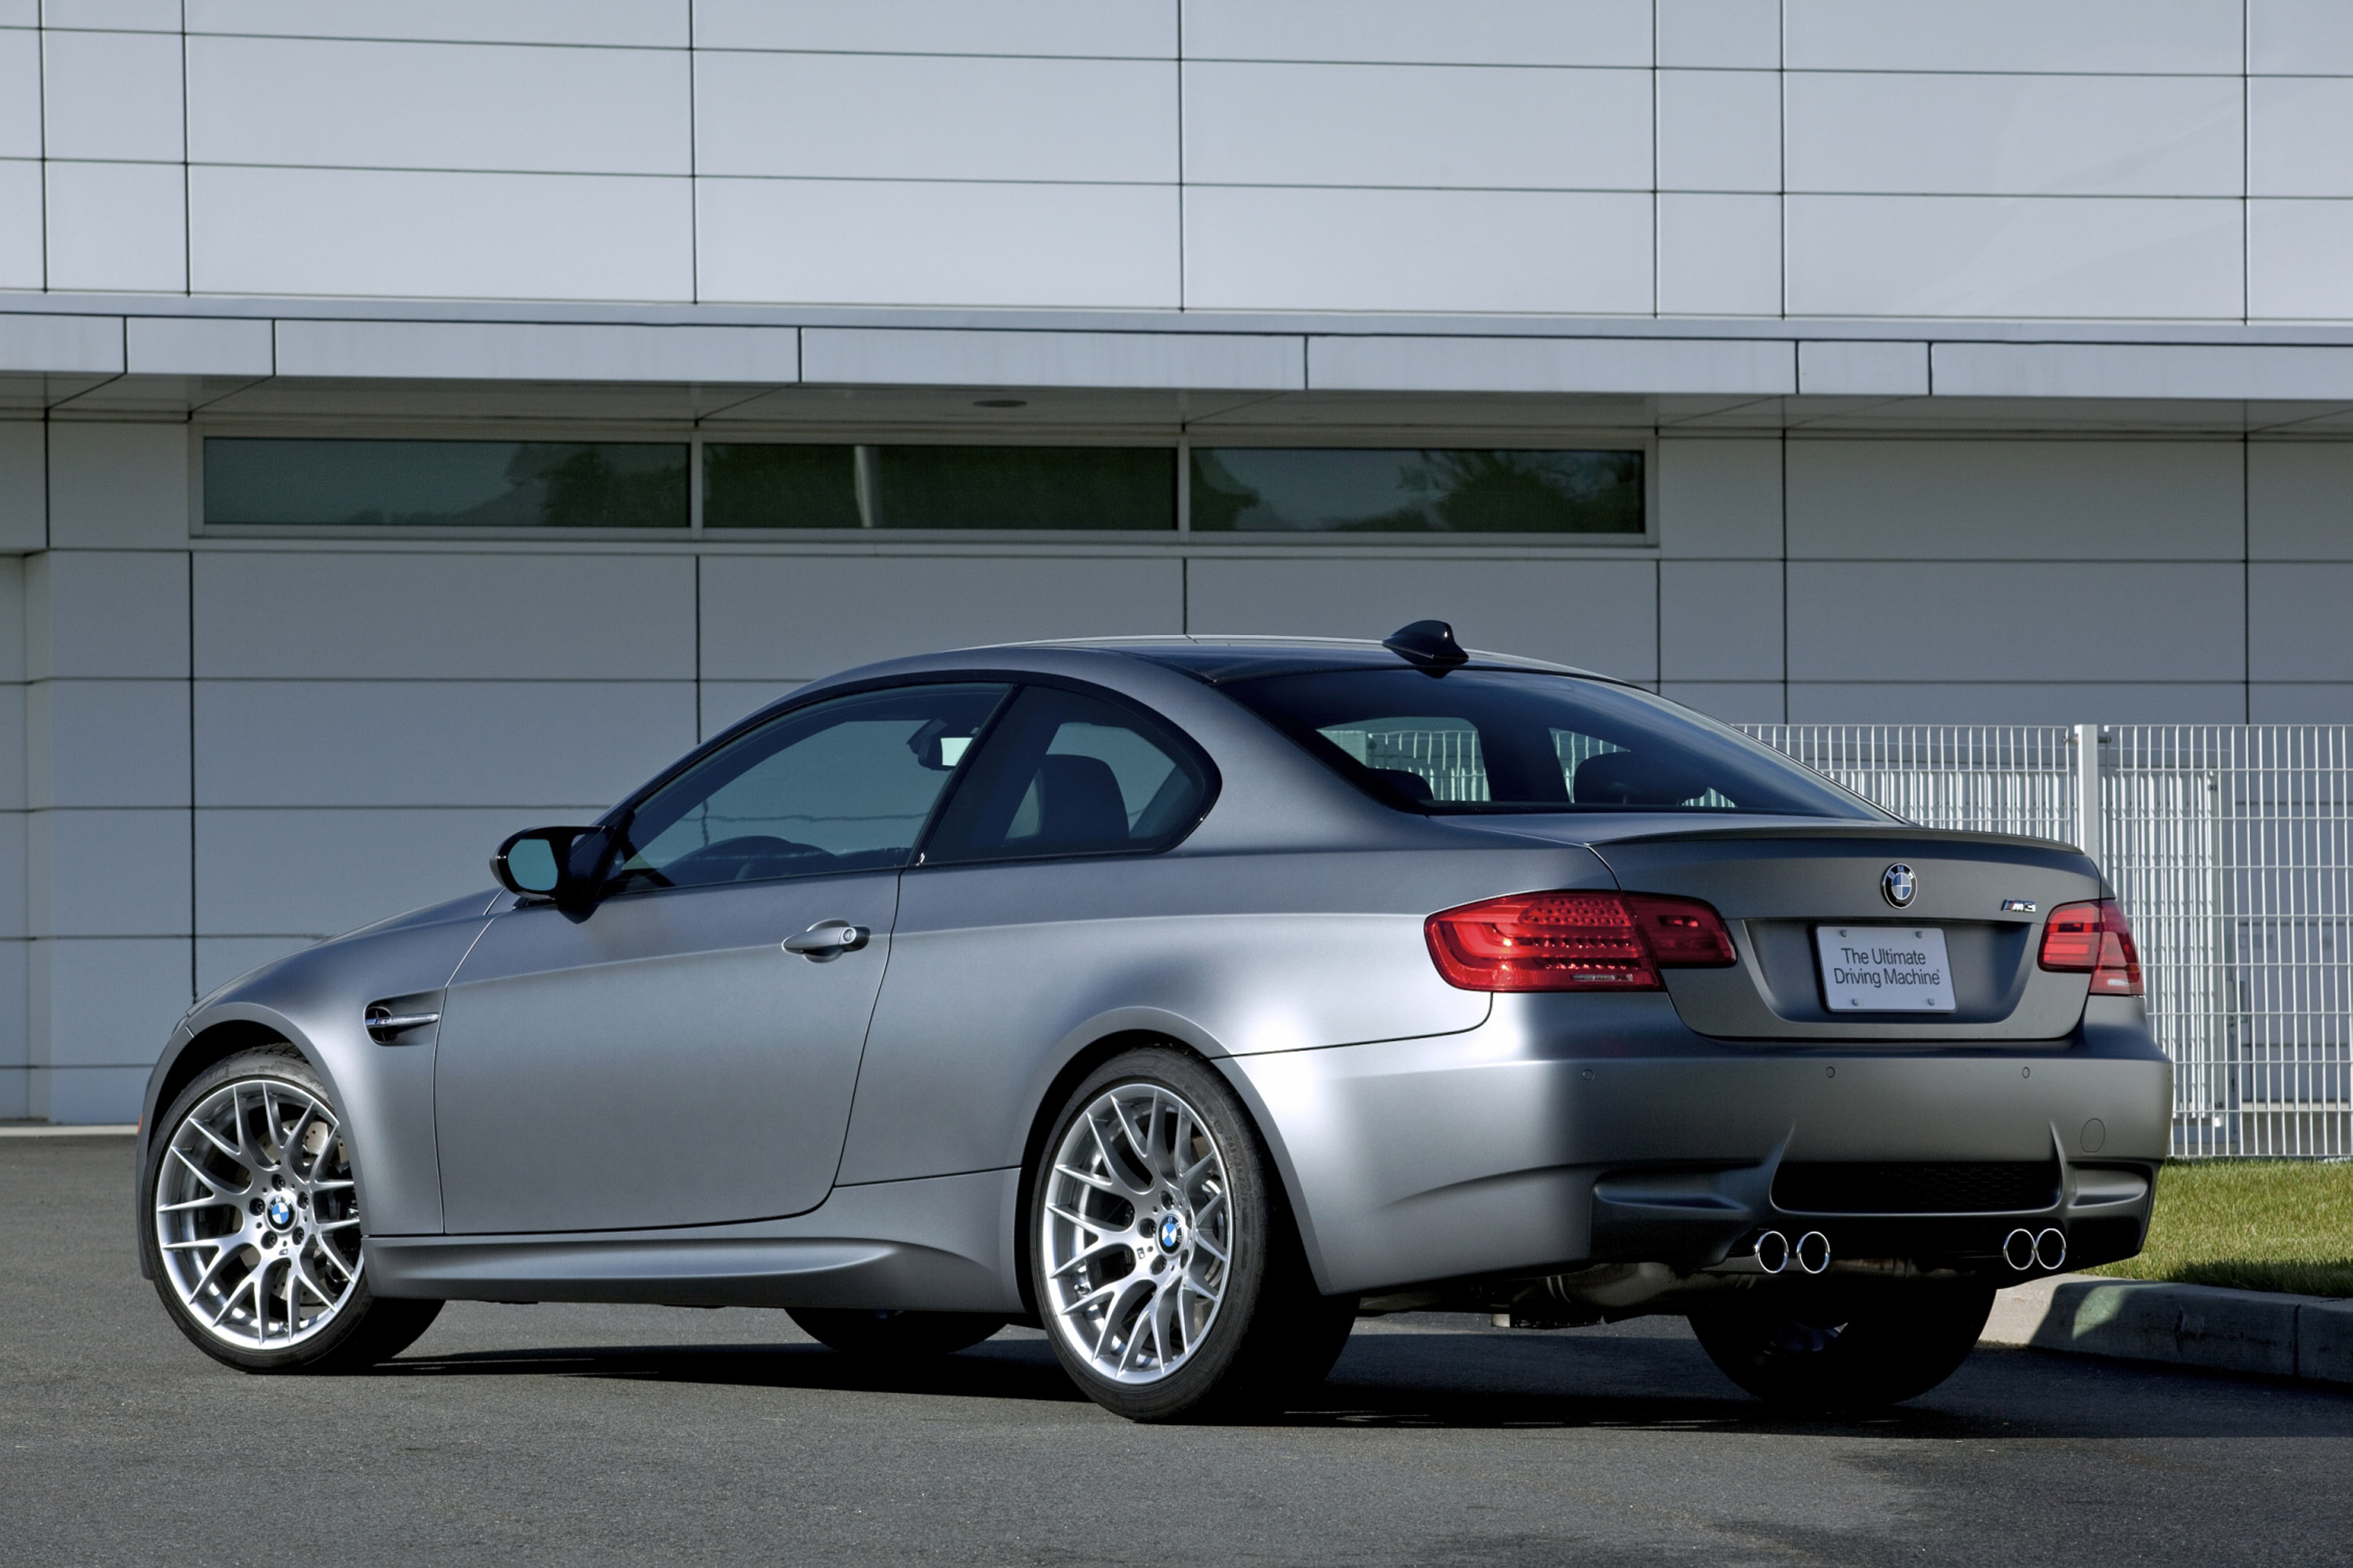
(420, 420)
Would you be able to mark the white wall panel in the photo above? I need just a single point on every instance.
(23, 244)
(1093, 27)
(1719, 130)
(1734, 702)
(24, 520)
(20, 93)
(314, 231)
(725, 702)
(1719, 255)
(656, 24)
(2297, 131)
(1720, 33)
(359, 866)
(2014, 135)
(327, 614)
(444, 743)
(2296, 621)
(1854, 623)
(2171, 36)
(902, 356)
(13, 750)
(89, 1096)
(118, 485)
(331, 103)
(111, 95)
(854, 242)
(100, 1002)
(1600, 615)
(107, 743)
(121, 15)
(787, 619)
(106, 613)
(1720, 621)
(117, 227)
(889, 117)
(2289, 35)
(1571, 253)
(1417, 125)
(1720, 498)
(1470, 32)
(2300, 500)
(2300, 702)
(2295, 261)
(2021, 702)
(2015, 500)
(1988, 256)
(107, 873)
(14, 876)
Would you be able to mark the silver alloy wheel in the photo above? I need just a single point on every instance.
(1137, 1234)
(256, 1215)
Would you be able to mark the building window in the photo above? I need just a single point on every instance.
(446, 484)
(1295, 490)
(799, 486)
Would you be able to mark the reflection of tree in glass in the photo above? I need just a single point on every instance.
(602, 485)
(1028, 487)
(1218, 498)
(1522, 493)
(779, 486)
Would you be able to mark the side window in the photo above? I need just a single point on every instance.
(845, 785)
(1065, 774)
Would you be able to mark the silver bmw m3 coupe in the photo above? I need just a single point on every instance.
(1189, 998)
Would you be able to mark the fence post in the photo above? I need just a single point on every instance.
(2087, 789)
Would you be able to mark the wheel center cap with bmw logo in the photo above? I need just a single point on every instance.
(1172, 1232)
(280, 1211)
(1897, 885)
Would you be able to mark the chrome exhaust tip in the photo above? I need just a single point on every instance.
(1772, 1251)
(2050, 1249)
(2018, 1250)
(1813, 1252)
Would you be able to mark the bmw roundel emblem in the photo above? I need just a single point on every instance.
(1171, 1230)
(1897, 885)
(281, 1212)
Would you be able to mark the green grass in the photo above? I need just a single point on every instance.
(2251, 1224)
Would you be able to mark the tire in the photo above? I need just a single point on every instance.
(894, 1336)
(1831, 1350)
(249, 1224)
(1172, 1288)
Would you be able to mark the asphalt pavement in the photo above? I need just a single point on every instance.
(593, 1435)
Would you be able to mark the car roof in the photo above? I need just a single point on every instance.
(1216, 659)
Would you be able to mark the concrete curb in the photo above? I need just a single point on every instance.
(2274, 1335)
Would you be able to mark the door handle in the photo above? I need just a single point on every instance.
(827, 941)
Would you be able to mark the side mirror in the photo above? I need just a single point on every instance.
(563, 864)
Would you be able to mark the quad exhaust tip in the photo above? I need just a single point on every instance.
(2023, 1250)
(1811, 1254)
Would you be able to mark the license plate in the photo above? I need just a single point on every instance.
(1884, 969)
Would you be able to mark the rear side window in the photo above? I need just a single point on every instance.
(1514, 741)
(1067, 774)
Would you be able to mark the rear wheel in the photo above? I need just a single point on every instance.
(891, 1336)
(1164, 1265)
(1829, 1349)
(252, 1226)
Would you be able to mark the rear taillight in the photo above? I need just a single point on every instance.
(1575, 941)
(2094, 936)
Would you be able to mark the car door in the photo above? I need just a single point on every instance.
(665, 1060)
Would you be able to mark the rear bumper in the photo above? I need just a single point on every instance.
(1576, 1129)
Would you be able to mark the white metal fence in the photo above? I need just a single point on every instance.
(2232, 849)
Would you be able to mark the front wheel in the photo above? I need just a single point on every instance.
(251, 1223)
(1828, 1348)
(1164, 1265)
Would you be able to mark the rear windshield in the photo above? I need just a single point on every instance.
(1514, 741)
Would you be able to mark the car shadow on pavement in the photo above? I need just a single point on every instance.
(1455, 1381)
